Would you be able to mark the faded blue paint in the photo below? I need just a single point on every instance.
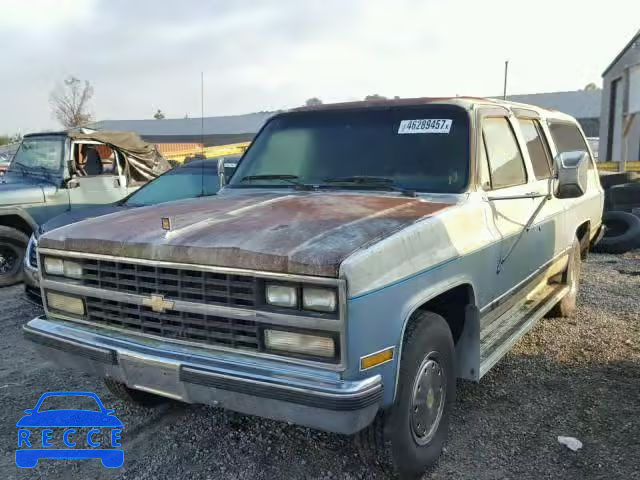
(377, 319)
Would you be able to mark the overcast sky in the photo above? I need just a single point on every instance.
(270, 54)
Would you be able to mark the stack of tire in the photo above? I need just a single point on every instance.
(621, 212)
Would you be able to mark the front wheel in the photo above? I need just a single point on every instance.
(13, 244)
(410, 436)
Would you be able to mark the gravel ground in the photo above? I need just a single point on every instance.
(577, 378)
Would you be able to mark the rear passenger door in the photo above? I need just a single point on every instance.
(547, 234)
(504, 178)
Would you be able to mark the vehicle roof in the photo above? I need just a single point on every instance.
(46, 134)
(467, 103)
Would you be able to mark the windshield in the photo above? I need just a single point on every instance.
(37, 154)
(179, 183)
(423, 148)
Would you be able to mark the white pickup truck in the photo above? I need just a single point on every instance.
(362, 257)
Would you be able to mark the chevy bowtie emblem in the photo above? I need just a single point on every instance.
(166, 223)
(157, 303)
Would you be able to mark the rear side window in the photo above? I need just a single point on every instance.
(568, 138)
(537, 147)
(505, 159)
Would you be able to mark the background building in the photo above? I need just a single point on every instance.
(584, 105)
(620, 113)
(212, 131)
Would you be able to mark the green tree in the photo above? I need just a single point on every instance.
(9, 139)
(158, 115)
(313, 102)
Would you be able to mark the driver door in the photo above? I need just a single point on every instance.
(108, 187)
(504, 178)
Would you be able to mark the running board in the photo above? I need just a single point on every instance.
(497, 338)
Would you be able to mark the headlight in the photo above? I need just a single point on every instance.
(53, 266)
(319, 299)
(72, 269)
(281, 295)
(63, 268)
(27, 254)
(300, 343)
(63, 303)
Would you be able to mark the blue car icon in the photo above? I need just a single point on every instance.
(65, 422)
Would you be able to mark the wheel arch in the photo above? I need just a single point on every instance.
(18, 219)
(456, 303)
(583, 233)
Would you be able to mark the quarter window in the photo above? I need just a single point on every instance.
(505, 159)
(538, 150)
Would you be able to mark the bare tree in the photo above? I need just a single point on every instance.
(313, 102)
(70, 102)
(158, 115)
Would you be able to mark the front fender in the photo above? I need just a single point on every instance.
(19, 212)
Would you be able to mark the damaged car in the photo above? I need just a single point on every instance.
(363, 257)
(52, 173)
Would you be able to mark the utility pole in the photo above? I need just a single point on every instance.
(202, 110)
(506, 72)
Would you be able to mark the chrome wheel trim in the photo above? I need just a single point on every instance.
(427, 399)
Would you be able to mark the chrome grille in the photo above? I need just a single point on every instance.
(175, 284)
(206, 329)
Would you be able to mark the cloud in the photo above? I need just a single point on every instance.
(270, 54)
(43, 14)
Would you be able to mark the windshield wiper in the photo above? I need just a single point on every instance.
(372, 182)
(24, 169)
(45, 171)
(292, 179)
(22, 166)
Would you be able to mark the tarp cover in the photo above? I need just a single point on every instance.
(143, 161)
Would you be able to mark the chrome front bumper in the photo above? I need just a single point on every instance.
(271, 389)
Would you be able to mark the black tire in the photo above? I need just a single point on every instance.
(566, 307)
(625, 196)
(608, 180)
(135, 397)
(394, 441)
(13, 244)
(622, 233)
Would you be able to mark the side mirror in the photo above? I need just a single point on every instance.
(571, 174)
(73, 183)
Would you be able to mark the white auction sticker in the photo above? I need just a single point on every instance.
(425, 125)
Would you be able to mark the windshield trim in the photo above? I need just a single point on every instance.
(465, 187)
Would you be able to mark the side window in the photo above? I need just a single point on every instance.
(568, 138)
(91, 160)
(505, 159)
(538, 150)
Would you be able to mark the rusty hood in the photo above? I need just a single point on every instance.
(301, 233)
